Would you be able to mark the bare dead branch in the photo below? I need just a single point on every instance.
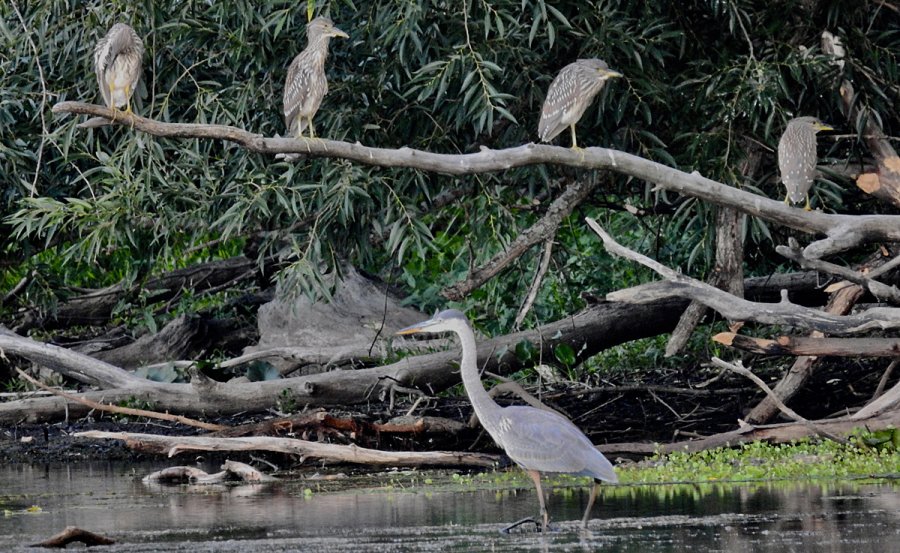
(841, 231)
(878, 289)
(123, 410)
(885, 376)
(801, 345)
(737, 309)
(790, 413)
(541, 231)
(727, 274)
(313, 450)
(535, 287)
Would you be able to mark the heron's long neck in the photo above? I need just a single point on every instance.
(480, 399)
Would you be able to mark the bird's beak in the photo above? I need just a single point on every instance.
(418, 327)
(335, 32)
(612, 74)
(824, 127)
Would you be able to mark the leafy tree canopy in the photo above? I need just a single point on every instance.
(708, 83)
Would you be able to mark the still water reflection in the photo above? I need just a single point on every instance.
(285, 516)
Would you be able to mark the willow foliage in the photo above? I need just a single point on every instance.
(706, 80)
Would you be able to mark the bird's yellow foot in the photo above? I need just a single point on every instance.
(807, 206)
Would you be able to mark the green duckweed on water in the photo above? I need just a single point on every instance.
(800, 460)
(757, 462)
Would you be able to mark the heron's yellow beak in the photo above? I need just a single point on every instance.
(823, 127)
(418, 327)
(610, 74)
(335, 32)
(408, 330)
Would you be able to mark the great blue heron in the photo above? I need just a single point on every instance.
(570, 93)
(306, 84)
(797, 157)
(538, 441)
(117, 63)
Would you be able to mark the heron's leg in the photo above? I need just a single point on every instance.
(545, 516)
(807, 206)
(312, 130)
(587, 512)
(574, 141)
(787, 198)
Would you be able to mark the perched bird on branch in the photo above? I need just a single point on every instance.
(117, 63)
(570, 94)
(797, 157)
(306, 84)
(537, 440)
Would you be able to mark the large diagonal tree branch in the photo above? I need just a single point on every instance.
(541, 231)
(842, 231)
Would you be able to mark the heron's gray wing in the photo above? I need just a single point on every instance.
(548, 442)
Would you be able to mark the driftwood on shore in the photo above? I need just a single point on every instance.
(173, 445)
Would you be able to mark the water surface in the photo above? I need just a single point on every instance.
(363, 514)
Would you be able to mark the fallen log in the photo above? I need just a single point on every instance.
(173, 445)
(819, 347)
(596, 328)
(74, 534)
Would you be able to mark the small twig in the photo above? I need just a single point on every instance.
(882, 384)
(790, 413)
(23, 282)
(535, 283)
(416, 403)
(666, 405)
(123, 410)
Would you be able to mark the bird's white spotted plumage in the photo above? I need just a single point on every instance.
(797, 157)
(570, 94)
(306, 84)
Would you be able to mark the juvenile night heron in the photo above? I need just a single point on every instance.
(797, 157)
(117, 63)
(306, 83)
(537, 440)
(570, 93)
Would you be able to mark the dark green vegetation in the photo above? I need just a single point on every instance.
(709, 85)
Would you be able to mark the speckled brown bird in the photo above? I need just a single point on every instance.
(306, 84)
(797, 157)
(570, 94)
(117, 63)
